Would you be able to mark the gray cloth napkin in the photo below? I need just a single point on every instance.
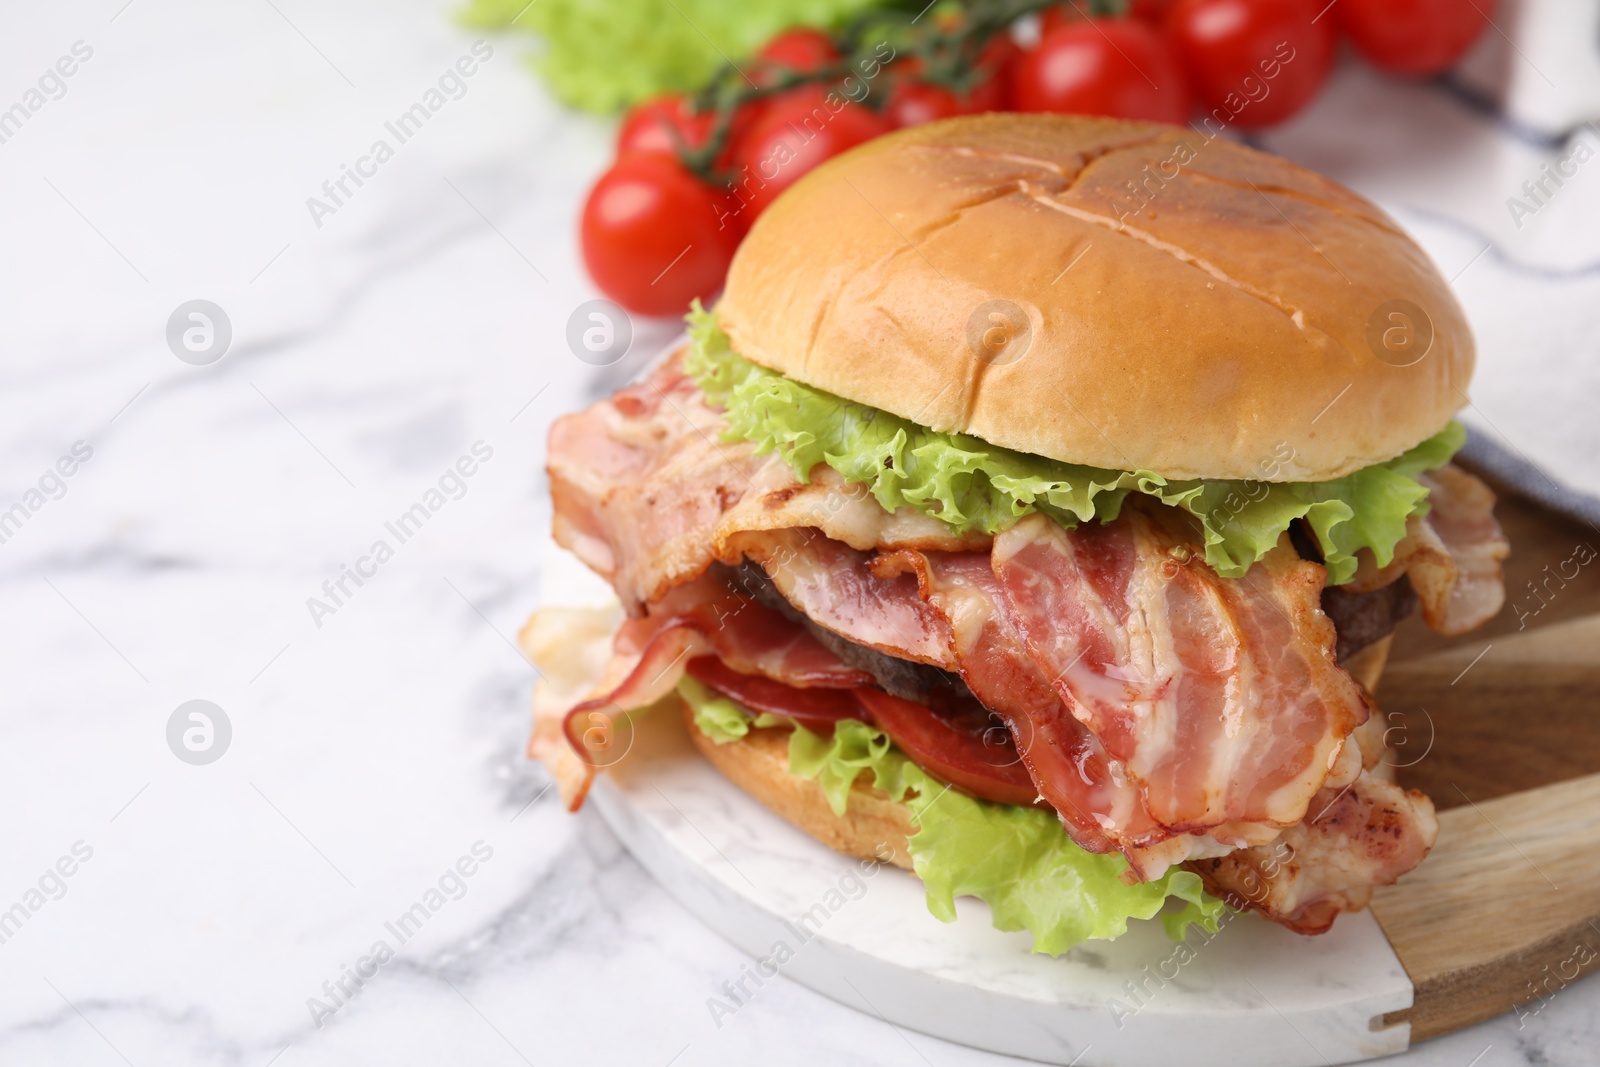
(1495, 169)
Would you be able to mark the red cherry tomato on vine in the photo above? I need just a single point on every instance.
(1052, 18)
(998, 58)
(656, 126)
(1153, 12)
(1414, 37)
(650, 126)
(654, 236)
(798, 132)
(800, 50)
(1255, 61)
(797, 50)
(912, 101)
(1110, 67)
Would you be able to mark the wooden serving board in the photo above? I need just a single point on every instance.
(1502, 729)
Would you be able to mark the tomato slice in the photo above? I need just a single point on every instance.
(962, 744)
(971, 749)
(815, 709)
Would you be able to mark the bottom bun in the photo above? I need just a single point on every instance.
(873, 826)
(1366, 666)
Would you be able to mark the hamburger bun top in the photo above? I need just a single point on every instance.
(1119, 294)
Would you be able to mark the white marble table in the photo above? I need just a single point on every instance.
(376, 742)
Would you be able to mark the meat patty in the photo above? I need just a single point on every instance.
(918, 682)
(1361, 619)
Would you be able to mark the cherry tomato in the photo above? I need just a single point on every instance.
(1414, 37)
(999, 56)
(649, 126)
(1255, 61)
(654, 236)
(1052, 18)
(1153, 12)
(800, 50)
(799, 131)
(657, 124)
(912, 102)
(1102, 67)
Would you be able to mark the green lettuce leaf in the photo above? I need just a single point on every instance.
(975, 486)
(716, 716)
(1018, 860)
(605, 55)
(719, 718)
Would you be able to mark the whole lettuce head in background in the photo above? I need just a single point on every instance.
(604, 55)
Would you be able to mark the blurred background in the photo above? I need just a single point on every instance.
(286, 282)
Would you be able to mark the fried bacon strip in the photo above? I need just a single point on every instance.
(1164, 711)
(1354, 839)
(647, 493)
(1451, 555)
(639, 481)
(650, 654)
(1218, 699)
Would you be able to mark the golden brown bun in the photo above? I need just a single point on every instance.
(759, 764)
(871, 827)
(1220, 329)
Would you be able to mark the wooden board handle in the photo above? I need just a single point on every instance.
(1505, 912)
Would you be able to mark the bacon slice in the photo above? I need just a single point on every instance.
(1460, 580)
(1365, 835)
(843, 511)
(1452, 555)
(1164, 711)
(640, 480)
(834, 586)
(647, 493)
(752, 638)
(1066, 762)
(573, 651)
(1220, 699)
(650, 655)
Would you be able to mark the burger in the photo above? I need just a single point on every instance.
(1033, 510)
